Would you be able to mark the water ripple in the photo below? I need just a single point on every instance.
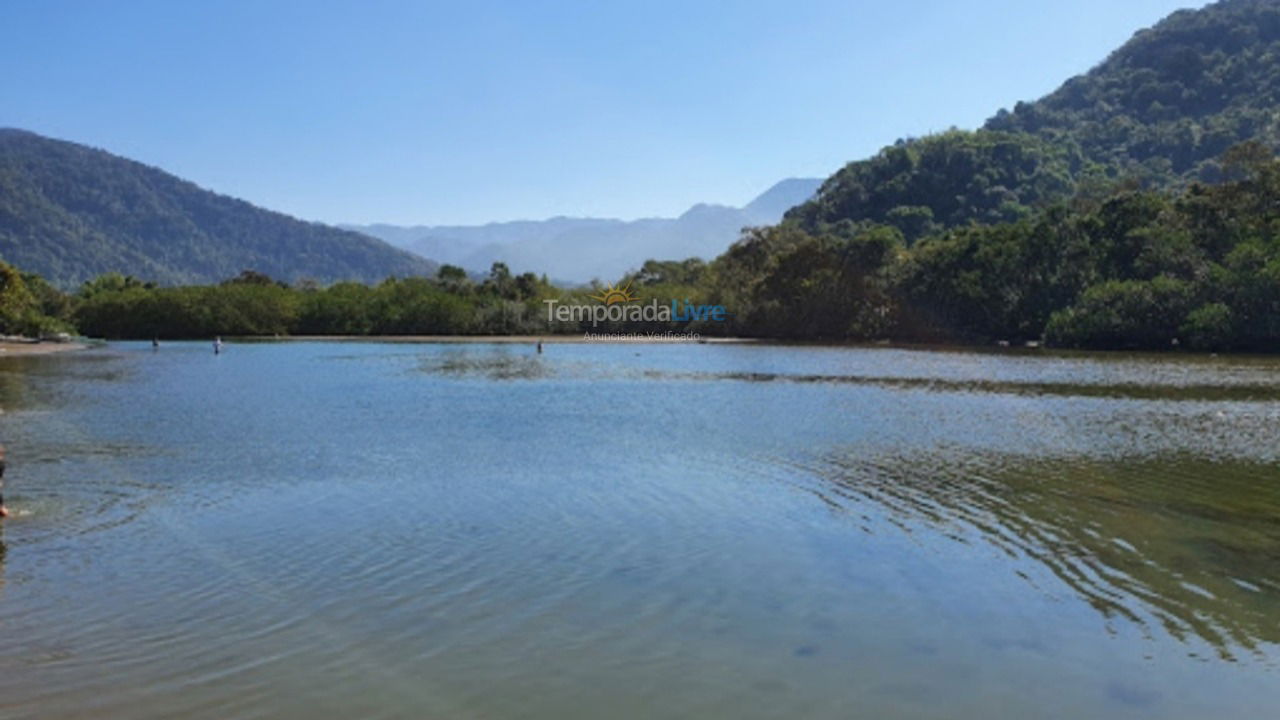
(1187, 547)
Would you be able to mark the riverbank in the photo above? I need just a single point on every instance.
(577, 338)
(642, 338)
(11, 346)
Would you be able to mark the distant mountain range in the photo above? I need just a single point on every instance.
(581, 249)
(71, 212)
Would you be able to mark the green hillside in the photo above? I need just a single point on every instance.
(1160, 110)
(70, 213)
(1170, 101)
(942, 181)
(1138, 206)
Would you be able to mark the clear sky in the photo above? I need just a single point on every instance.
(474, 111)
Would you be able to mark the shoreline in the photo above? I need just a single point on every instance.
(1038, 350)
(18, 347)
(14, 348)
(576, 339)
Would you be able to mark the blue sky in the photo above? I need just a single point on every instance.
(467, 112)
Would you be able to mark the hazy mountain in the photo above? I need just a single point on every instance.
(71, 212)
(580, 249)
(769, 207)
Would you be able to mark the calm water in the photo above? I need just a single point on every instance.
(475, 531)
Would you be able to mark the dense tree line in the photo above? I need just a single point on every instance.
(1131, 268)
(450, 303)
(29, 306)
(1126, 268)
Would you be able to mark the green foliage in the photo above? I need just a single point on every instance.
(972, 283)
(783, 282)
(1144, 314)
(115, 306)
(1167, 104)
(16, 302)
(198, 311)
(668, 272)
(1160, 111)
(341, 309)
(1080, 219)
(452, 275)
(111, 282)
(53, 308)
(70, 213)
(1129, 269)
(941, 181)
(1209, 327)
(29, 306)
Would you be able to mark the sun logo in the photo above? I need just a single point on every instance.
(613, 295)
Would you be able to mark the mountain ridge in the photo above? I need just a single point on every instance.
(71, 212)
(579, 249)
(1159, 111)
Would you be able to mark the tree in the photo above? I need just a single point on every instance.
(17, 304)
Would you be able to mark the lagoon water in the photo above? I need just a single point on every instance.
(335, 530)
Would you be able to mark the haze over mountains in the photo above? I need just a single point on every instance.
(1159, 110)
(71, 212)
(578, 250)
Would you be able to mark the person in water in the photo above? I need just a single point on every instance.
(217, 345)
(4, 511)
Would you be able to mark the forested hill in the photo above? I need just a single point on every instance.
(942, 181)
(70, 213)
(1170, 101)
(1160, 110)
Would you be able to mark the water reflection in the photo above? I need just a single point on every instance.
(67, 475)
(40, 382)
(15, 390)
(1185, 546)
(614, 529)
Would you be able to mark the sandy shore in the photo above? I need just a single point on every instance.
(578, 338)
(29, 347)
